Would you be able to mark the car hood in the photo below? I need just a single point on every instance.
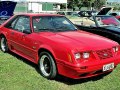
(7, 8)
(104, 11)
(80, 40)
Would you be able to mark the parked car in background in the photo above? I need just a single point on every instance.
(7, 9)
(109, 11)
(104, 25)
(69, 13)
(61, 13)
(116, 14)
(118, 17)
(87, 13)
(58, 47)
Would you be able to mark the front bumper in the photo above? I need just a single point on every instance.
(85, 70)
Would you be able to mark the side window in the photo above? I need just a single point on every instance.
(12, 23)
(23, 25)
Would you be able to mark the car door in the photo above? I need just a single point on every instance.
(21, 37)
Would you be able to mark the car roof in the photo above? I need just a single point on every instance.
(39, 14)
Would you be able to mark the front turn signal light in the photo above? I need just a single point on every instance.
(115, 49)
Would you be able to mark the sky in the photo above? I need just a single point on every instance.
(113, 0)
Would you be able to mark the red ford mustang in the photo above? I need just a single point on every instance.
(55, 44)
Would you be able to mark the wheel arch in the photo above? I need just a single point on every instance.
(47, 50)
(2, 35)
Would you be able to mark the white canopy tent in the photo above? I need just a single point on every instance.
(45, 1)
(50, 1)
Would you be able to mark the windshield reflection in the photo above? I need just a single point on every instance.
(52, 23)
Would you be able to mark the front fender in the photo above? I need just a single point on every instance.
(48, 48)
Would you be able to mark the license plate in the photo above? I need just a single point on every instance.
(108, 67)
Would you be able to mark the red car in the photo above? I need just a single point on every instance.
(118, 17)
(57, 47)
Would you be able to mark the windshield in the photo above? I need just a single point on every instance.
(107, 21)
(52, 23)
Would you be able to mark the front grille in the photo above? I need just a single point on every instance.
(104, 54)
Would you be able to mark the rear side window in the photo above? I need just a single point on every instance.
(20, 23)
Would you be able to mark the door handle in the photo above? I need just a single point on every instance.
(23, 37)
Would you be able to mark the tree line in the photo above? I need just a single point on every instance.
(97, 4)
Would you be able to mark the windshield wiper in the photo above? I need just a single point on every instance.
(54, 30)
(64, 30)
(61, 30)
(46, 30)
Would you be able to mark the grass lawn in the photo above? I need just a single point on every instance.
(17, 73)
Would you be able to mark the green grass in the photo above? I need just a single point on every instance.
(19, 74)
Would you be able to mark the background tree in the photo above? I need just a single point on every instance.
(99, 3)
(85, 3)
(72, 4)
(80, 3)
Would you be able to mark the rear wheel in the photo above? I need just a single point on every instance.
(3, 44)
(47, 65)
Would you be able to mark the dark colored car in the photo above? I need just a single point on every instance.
(116, 14)
(7, 9)
(104, 25)
(69, 13)
(87, 13)
(118, 17)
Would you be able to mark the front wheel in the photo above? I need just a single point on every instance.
(47, 65)
(3, 44)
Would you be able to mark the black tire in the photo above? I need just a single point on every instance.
(47, 65)
(3, 44)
